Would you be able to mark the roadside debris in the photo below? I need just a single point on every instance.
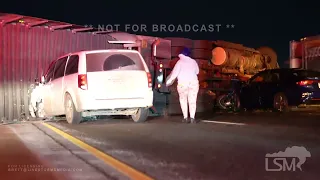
(36, 100)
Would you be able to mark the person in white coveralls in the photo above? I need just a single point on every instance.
(186, 71)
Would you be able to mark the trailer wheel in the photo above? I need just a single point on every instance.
(201, 54)
(72, 116)
(141, 115)
(176, 50)
(180, 42)
(202, 76)
(203, 63)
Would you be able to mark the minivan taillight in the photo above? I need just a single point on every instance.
(82, 81)
(149, 80)
(305, 83)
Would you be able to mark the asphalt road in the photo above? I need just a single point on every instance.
(16, 158)
(166, 149)
(30, 151)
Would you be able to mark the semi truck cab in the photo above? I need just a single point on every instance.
(305, 53)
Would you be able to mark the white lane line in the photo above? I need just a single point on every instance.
(221, 122)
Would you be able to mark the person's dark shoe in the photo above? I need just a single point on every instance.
(193, 121)
(185, 120)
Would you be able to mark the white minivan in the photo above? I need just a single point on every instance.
(98, 82)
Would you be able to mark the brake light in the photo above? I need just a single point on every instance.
(149, 80)
(160, 67)
(305, 83)
(82, 81)
(160, 75)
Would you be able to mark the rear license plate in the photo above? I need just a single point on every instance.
(319, 85)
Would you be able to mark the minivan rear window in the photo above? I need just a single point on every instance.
(111, 61)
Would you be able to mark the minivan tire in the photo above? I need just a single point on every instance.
(141, 115)
(72, 116)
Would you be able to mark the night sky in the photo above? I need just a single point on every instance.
(257, 23)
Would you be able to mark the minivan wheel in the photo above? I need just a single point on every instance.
(141, 115)
(72, 116)
(280, 103)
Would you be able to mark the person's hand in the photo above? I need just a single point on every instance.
(169, 82)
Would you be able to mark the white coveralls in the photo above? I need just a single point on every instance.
(186, 71)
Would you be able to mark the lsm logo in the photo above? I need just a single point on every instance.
(289, 160)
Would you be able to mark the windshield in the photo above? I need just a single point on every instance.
(111, 61)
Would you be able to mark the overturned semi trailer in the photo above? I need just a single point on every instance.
(158, 54)
(27, 46)
(221, 63)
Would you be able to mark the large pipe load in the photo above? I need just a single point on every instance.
(232, 58)
(226, 56)
(235, 56)
(270, 57)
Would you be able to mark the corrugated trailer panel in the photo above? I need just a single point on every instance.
(1, 76)
(25, 54)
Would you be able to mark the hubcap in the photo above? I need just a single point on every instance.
(69, 109)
